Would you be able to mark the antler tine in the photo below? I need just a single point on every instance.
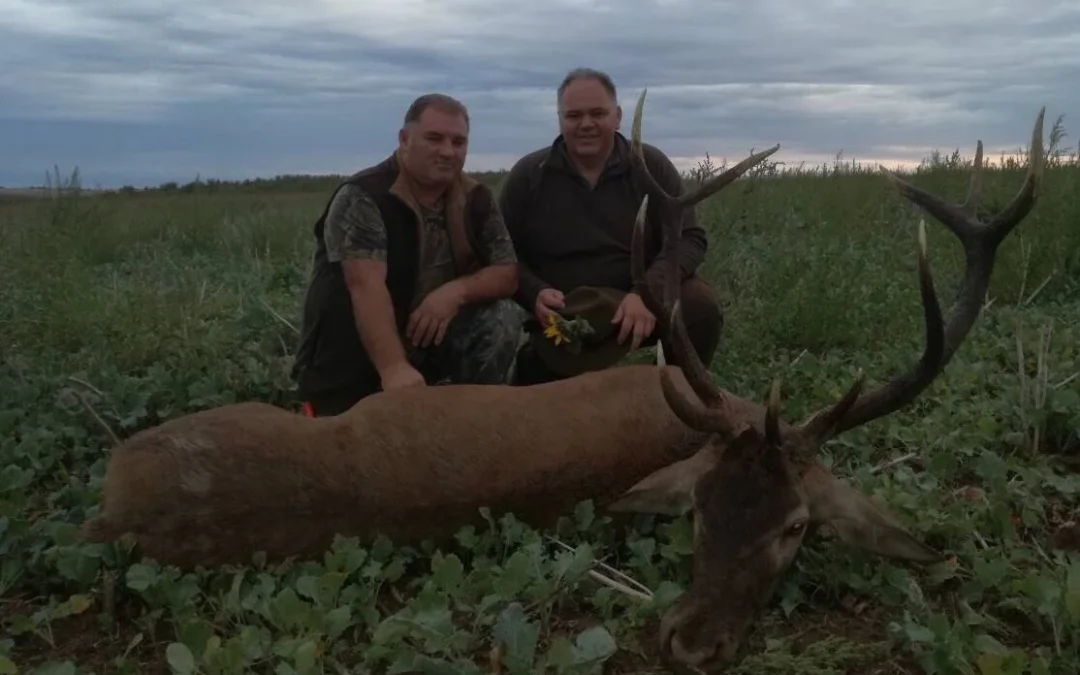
(697, 375)
(714, 185)
(944, 337)
(956, 216)
(671, 207)
(638, 154)
(772, 415)
(637, 258)
(1021, 205)
(713, 415)
(823, 424)
(704, 191)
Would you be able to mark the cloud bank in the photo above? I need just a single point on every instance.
(142, 93)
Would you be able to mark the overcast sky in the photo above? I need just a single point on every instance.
(140, 92)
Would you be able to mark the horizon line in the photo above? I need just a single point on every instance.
(502, 162)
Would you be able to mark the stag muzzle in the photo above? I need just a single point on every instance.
(693, 641)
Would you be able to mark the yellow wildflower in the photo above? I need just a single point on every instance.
(553, 332)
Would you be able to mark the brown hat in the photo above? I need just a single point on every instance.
(583, 338)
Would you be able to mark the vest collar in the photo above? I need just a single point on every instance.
(454, 204)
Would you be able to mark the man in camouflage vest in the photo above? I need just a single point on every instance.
(413, 274)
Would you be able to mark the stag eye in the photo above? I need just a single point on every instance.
(796, 529)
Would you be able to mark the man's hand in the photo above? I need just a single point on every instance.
(401, 375)
(547, 301)
(635, 318)
(428, 322)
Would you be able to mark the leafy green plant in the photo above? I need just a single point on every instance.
(119, 311)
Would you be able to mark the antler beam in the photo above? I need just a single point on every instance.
(671, 207)
(671, 215)
(980, 241)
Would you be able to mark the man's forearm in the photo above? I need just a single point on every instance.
(490, 283)
(529, 286)
(373, 312)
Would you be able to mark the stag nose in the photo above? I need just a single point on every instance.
(683, 657)
(726, 648)
(711, 656)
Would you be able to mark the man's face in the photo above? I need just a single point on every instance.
(588, 118)
(433, 148)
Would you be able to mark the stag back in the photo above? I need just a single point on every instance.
(757, 487)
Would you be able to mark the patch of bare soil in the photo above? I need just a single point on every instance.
(1066, 536)
(91, 641)
(862, 625)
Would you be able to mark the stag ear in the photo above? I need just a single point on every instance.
(668, 491)
(857, 521)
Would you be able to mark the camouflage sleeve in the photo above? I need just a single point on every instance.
(495, 239)
(354, 228)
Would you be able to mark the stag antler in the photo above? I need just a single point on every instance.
(706, 190)
(671, 206)
(824, 424)
(980, 241)
(671, 210)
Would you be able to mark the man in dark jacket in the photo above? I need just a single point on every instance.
(570, 209)
(413, 274)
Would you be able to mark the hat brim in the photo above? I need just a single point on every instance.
(597, 305)
(566, 363)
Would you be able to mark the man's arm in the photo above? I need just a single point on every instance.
(693, 243)
(512, 203)
(499, 279)
(356, 236)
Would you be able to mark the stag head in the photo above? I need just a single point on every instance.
(757, 488)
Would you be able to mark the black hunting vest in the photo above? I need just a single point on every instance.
(331, 356)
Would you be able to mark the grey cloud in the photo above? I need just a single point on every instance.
(171, 89)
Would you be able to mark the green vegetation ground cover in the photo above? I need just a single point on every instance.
(120, 311)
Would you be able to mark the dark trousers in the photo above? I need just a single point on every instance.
(701, 313)
(478, 348)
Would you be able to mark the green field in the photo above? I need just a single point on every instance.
(120, 311)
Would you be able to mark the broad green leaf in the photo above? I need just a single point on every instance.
(180, 658)
(594, 645)
(140, 577)
(518, 636)
(447, 572)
